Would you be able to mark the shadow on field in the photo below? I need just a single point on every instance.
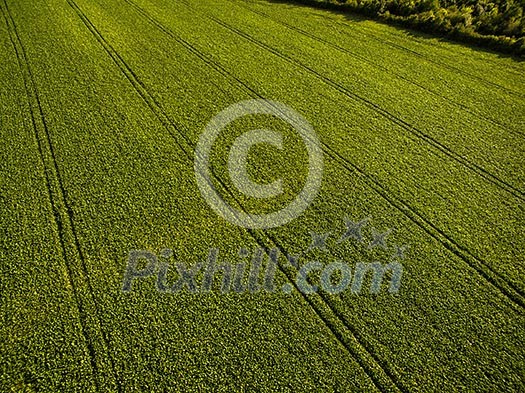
(354, 17)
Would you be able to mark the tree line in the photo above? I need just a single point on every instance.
(497, 24)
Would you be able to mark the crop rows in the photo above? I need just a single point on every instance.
(111, 112)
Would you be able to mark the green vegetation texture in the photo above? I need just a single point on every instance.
(102, 103)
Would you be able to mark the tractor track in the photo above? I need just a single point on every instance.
(480, 171)
(507, 288)
(414, 52)
(77, 272)
(383, 378)
(375, 65)
(173, 130)
(510, 290)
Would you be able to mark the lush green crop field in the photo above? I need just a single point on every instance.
(102, 104)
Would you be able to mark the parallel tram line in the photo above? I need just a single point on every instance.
(165, 119)
(420, 55)
(383, 112)
(504, 286)
(77, 273)
(378, 66)
(383, 378)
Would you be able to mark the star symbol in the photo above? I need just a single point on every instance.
(166, 253)
(293, 259)
(353, 230)
(378, 239)
(318, 240)
(400, 252)
(243, 252)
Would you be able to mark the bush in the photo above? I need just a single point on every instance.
(498, 24)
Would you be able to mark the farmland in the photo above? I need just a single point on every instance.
(102, 104)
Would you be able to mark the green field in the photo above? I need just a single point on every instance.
(102, 103)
